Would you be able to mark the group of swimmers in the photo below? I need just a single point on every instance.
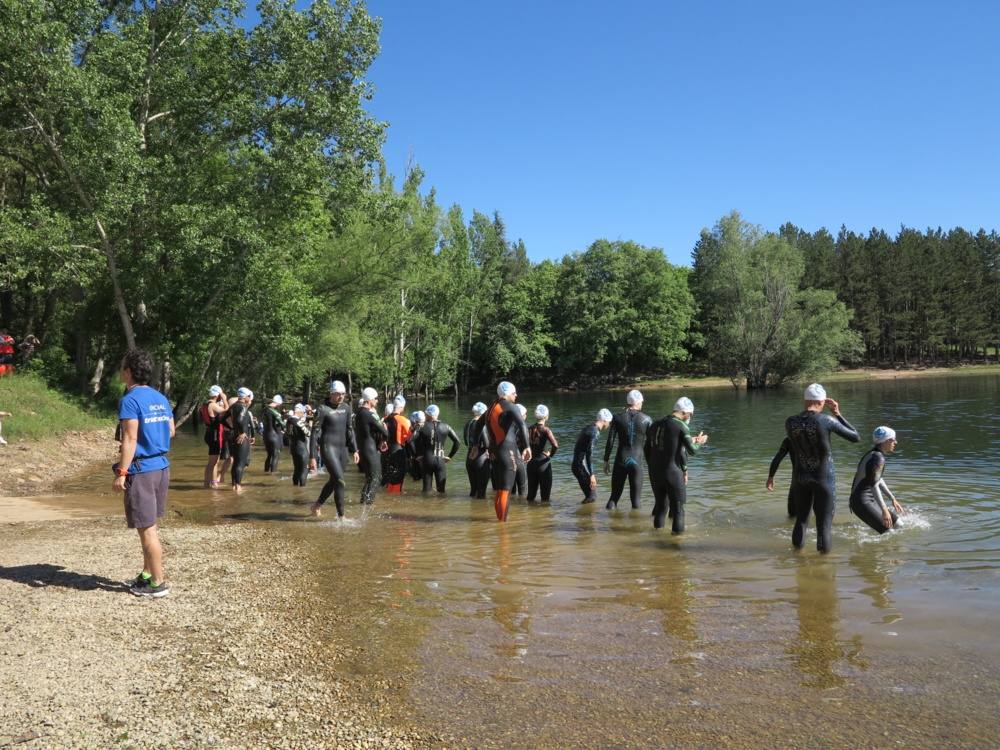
(503, 450)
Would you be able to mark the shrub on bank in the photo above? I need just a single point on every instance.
(39, 411)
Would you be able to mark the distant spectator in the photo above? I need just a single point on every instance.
(6, 353)
(27, 348)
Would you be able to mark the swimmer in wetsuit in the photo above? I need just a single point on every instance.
(869, 488)
(417, 420)
(543, 446)
(503, 425)
(430, 449)
(783, 450)
(298, 434)
(583, 455)
(814, 485)
(477, 460)
(274, 429)
(399, 429)
(521, 470)
(668, 445)
(333, 438)
(212, 414)
(242, 437)
(629, 427)
(372, 439)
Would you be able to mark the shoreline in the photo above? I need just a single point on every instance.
(848, 375)
(216, 663)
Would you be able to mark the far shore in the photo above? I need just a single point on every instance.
(852, 374)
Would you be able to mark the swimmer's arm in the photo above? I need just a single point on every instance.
(844, 428)
(778, 458)
(691, 445)
(610, 443)
(553, 442)
(454, 442)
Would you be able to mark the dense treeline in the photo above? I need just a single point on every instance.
(216, 194)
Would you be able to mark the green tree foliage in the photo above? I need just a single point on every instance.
(759, 323)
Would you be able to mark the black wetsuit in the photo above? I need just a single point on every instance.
(668, 444)
(242, 424)
(503, 425)
(333, 438)
(629, 428)
(297, 431)
(814, 485)
(477, 462)
(583, 460)
(415, 469)
(540, 437)
(429, 448)
(371, 434)
(394, 461)
(784, 450)
(274, 427)
(868, 489)
(520, 468)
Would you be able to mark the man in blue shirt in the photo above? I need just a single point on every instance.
(143, 470)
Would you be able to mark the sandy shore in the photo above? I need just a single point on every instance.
(226, 660)
(866, 373)
(34, 468)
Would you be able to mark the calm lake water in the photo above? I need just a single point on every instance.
(575, 626)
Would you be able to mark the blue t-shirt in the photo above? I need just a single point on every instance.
(152, 410)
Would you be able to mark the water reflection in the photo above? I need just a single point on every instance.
(818, 653)
(877, 574)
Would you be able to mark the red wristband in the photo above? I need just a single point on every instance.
(123, 472)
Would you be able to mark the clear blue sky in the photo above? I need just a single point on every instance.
(644, 120)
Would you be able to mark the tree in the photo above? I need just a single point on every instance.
(759, 324)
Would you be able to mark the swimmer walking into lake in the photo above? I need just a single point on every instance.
(543, 447)
(629, 427)
(668, 445)
(814, 484)
(333, 438)
(869, 489)
(503, 425)
(583, 455)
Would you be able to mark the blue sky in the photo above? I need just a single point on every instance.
(649, 120)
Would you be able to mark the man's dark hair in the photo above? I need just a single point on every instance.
(140, 364)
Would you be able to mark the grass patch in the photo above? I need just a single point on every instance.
(41, 412)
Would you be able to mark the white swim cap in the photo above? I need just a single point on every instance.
(399, 402)
(388, 410)
(604, 415)
(684, 404)
(881, 434)
(214, 391)
(299, 407)
(432, 411)
(277, 400)
(505, 389)
(541, 412)
(522, 410)
(337, 387)
(633, 398)
(244, 392)
(479, 408)
(369, 394)
(815, 392)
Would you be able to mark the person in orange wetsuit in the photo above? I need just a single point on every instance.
(399, 435)
(504, 425)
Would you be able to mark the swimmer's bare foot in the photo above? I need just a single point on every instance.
(238, 489)
(315, 510)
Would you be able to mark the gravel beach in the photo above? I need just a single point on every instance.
(226, 660)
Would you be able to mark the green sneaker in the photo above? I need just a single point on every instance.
(146, 588)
